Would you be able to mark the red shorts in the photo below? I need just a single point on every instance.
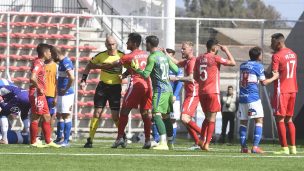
(39, 104)
(137, 95)
(283, 104)
(210, 102)
(190, 105)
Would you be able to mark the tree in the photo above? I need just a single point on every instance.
(230, 9)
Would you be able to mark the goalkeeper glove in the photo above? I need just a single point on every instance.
(134, 64)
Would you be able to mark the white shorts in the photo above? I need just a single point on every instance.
(65, 103)
(176, 110)
(250, 110)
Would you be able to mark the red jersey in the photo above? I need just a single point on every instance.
(191, 88)
(285, 62)
(38, 69)
(141, 56)
(207, 72)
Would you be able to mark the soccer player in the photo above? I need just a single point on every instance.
(139, 92)
(8, 111)
(207, 74)
(14, 96)
(50, 92)
(109, 87)
(37, 97)
(284, 69)
(158, 65)
(65, 95)
(175, 115)
(250, 106)
(191, 90)
(177, 87)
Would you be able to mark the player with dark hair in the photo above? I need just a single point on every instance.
(37, 97)
(284, 69)
(138, 94)
(250, 107)
(207, 74)
(158, 65)
(191, 91)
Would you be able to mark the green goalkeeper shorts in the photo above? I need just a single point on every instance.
(162, 102)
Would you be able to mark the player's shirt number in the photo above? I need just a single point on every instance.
(165, 71)
(290, 68)
(203, 72)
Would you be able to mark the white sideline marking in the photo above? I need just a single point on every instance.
(152, 155)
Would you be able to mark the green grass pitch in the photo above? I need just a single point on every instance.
(103, 158)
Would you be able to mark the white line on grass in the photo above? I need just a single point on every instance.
(152, 155)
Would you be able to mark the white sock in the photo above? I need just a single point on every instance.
(163, 138)
(4, 127)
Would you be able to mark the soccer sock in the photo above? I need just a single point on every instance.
(160, 125)
(116, 123)
(210, 131)
(46, 128)
(258, 130)
(123, 121)
(292, 133)
(193, 135)
(169, 127)
(204, 129)
(282, 133)
(67, 129)
(147, 127)
(4, 127)
(155, 134)
(194, 126)
(93, 127)
(60, 128)
(243, 135)
(33, 131)
(174, 131)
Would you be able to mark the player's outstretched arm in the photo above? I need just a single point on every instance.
(230, 59)
(149, 67)
(270, 80)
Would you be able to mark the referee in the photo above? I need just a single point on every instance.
(109, 86)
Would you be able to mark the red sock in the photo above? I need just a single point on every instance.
(147, 127)
(204, 129)
(193, 135)
(123, 121)
(210, 131)
(34, 131)
(292, 133)
(194, 126)
(282, 133)
(46, 128)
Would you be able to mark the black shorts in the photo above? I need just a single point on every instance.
(107, 92)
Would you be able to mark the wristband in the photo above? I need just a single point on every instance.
(84, 77)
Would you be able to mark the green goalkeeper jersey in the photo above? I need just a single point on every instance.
(158, 66)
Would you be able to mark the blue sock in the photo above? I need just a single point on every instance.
(243, 134)
(155, 134)
(67, 130)
(174, 134)
(257, 135)
(60, 128)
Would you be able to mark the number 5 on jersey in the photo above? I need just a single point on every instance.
(203, 72)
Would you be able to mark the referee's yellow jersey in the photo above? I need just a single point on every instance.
(109, 76)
